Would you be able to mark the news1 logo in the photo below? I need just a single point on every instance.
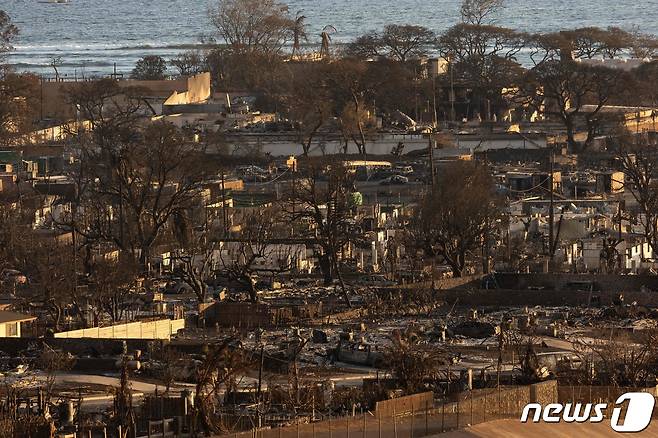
(637, 418)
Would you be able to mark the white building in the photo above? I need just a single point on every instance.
(10, 323)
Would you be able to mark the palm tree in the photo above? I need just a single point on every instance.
(299, 33)
(327, 31)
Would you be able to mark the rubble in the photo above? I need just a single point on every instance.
(320, 337)
(474, 329)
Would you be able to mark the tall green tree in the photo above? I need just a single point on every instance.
(150, 68)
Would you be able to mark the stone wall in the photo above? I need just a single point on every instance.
(597, 394)
(544, 392)
(514, 297)
(561, 281)
(253, 315)
(505, 400)
(466, 282)
(242, 315)
(405, 405)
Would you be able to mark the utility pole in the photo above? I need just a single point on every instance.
(259, 395)
(224, 212)
(435, 117)
(121, 212)
(41, 97)
(453, 115)
(433, 133)
(551, 215)
(485, 247)
(294, 190)
(619, 210)
(430, 147)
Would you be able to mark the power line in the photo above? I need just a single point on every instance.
(272, 180)
(532, 188)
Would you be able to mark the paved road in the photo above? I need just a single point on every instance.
(137, 386)
(98, 402)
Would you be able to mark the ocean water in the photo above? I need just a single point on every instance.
(92, 36)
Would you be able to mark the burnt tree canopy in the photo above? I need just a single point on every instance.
(456, 217)
(397, 42)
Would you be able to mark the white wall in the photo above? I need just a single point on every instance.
(161, 329)
(385, 143)
(4, 330)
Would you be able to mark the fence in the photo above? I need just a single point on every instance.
(596, 394)
(419, 415)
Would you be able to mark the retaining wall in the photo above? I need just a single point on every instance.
(405, 405)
